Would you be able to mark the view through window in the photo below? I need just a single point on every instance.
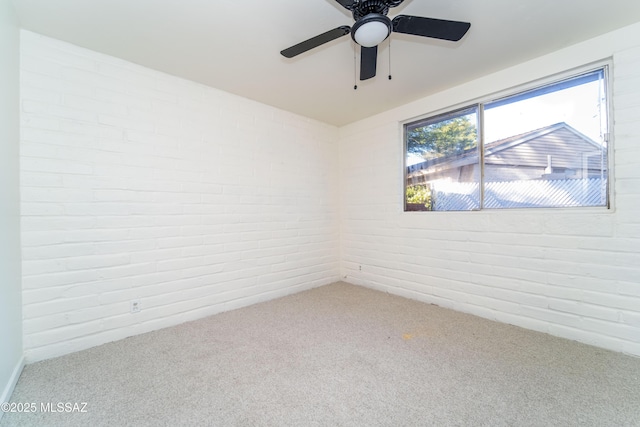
(545, 147)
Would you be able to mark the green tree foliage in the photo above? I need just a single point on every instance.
(444, 138)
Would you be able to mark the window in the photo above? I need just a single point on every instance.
(545, 147)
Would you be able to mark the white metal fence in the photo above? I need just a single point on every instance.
(454, 196)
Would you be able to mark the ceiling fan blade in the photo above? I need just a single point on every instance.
(430, 27)
(316, 41)
(347, 4)
(368, 59)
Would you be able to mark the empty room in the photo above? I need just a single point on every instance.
(321, 212)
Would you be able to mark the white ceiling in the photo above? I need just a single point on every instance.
(234, 45)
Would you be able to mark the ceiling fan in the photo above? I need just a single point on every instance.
(372, 27)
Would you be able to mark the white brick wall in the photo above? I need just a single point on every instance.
(137, 184)
(11, 357)
(574, 274)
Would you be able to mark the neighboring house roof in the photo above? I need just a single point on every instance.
(560, 141)
(560, 144)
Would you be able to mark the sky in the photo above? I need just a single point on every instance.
(582, 107)
(577, 106)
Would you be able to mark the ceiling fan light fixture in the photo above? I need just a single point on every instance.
(371, 30)
(372, 27)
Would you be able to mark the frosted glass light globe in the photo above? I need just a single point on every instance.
(371, 30)
(371, 34)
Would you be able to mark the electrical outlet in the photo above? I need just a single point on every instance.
(135, 306)
(360, 268)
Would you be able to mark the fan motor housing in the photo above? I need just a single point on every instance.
(367, 7)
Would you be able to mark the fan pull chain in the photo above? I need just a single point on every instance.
(389, 58)
(355, 71)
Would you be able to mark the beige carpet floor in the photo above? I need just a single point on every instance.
(339, 355)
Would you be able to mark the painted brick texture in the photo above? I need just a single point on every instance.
(136, 184)
(571, 273)
(140, 185)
